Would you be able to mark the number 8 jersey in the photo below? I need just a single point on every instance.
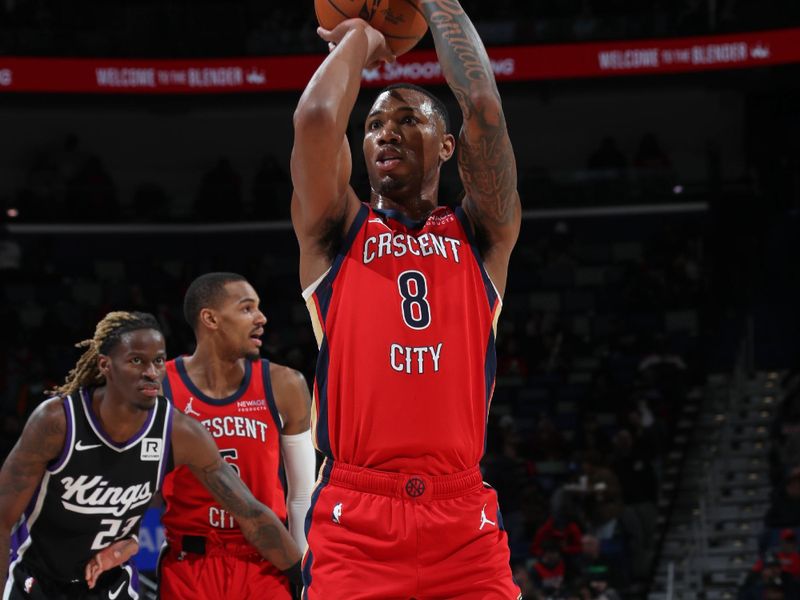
(405, 321)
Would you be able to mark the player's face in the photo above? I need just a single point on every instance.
(135, 367)
(404, 142)
(241, 321)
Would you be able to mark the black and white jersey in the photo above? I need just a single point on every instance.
(93, 494)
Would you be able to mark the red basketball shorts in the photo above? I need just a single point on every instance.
(223, 572)
(393, 536)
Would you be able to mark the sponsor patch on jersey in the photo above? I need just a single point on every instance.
(151, 449)
(252, 405)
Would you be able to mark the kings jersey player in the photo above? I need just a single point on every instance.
(89, 460)
(404, 296)
(258, 414)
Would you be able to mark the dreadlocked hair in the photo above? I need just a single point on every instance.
(107, 334)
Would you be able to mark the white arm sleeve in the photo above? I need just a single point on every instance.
(300, 462)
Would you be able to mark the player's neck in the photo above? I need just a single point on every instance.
(216, 376)
(118, 419)
(415, 208)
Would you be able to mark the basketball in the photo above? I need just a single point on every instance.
(400, 21)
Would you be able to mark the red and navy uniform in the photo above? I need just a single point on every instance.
(207, 555)
(405, 320)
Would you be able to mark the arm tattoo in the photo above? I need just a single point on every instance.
(485, 156)
(263, 532)
(457, 43)
(229, 491)
(489, 173)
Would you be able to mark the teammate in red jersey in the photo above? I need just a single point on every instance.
(258, 413)
(404, 296)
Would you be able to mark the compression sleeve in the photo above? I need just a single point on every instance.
(300, 462)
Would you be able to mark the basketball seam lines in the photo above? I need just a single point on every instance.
(388, 35)
(415, 7)
(339, 10)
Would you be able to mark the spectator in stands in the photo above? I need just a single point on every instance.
(561, 530)
(523, 579)
(775, 592)
(766, 580)
(592, 438)
(788, 554)
(547, 442)
(784, 511)
(599, 583)
(507, 472)
(634, 468)
(549, 572)
(603, 494)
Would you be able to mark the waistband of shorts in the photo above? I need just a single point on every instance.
(209, 546)
(405, 486)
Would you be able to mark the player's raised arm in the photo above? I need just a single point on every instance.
(194, 447)
(485, 156)
(321, 163)
(41, 441)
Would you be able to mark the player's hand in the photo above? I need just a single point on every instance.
(377, 49)
(108, 558)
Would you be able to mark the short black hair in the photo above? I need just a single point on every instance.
(438, 106)
(204, 292)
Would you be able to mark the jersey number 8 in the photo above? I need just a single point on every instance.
(414, 291)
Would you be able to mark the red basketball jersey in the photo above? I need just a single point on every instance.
(246, 427)
(405, 321)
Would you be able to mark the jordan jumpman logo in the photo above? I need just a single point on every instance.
(484, 520)
(189, 410)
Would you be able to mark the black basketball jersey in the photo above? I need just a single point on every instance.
(94, 493)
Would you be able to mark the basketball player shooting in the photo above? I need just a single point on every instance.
(74, 488)
(404, 295)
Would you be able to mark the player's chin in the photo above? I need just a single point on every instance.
(386, 184)
(252, 355)
(144, 401)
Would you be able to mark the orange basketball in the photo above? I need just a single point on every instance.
(400, 21)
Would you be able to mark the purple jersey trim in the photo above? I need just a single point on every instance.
(165, 458)
(98, 428)
(65, 451)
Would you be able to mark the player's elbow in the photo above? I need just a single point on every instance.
(312, 115)
(487, 102)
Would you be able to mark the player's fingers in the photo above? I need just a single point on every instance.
(325, 34)
(92, 571)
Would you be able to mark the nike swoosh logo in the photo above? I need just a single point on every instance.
(114, 594)
(81, 446)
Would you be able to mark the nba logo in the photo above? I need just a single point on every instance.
(151, 449)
